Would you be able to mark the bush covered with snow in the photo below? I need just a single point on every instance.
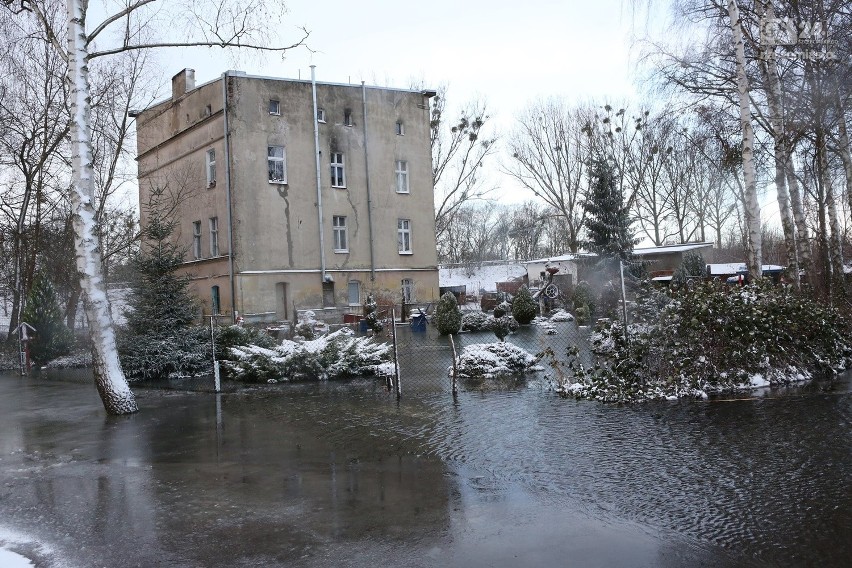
(707, 341)
(489, 360)
(561, 315)
(338, 354)
(476, 321)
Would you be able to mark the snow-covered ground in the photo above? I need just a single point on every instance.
(477, 278)
(9, 559)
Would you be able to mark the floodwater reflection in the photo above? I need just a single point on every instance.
(341, 474)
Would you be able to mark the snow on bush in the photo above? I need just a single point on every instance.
(561, 315)
(448, 317)
(338, 354)
(489, 360)
(524, 307)
(476, 321)
(707, 341)
(78, 360)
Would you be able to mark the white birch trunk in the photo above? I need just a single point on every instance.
(751, 206)
(835, 242)
(844, 149)
(109, 378)
(803, 241)
(779, 135)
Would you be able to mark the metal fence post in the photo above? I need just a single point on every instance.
(395, 353)
(217, 384)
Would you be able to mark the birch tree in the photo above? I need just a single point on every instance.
(223, 24)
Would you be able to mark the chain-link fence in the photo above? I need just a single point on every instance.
(425, 357)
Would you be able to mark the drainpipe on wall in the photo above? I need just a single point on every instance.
(369, 194)
(228, 198)
(319, 179)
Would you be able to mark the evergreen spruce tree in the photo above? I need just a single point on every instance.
(51, 338)
(523, 306)
(448, 316)
(608, 216)
(692, 267)
(160, 339)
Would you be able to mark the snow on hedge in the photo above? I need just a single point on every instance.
(561, 315)
(489, 360)
(338, 354)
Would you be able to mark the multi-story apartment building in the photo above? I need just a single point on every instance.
(294, 194)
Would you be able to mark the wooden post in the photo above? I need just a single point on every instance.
(455, 368)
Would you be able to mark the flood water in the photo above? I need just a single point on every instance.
(341, 474)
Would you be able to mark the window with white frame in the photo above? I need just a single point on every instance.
(354, 293)
(214, 236)
(196, 239)
(403, 235)
(274, 107)
(400, 128)
(401, 173)
(211, 167)
(338, 175)
(341, 242)
(276, 163)
(407, 290)
(320, 115)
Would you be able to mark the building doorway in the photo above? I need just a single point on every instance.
(328, 294)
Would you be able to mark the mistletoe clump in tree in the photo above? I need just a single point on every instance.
(523, 306)
(448, 316)
(161, 339)
(51, 338)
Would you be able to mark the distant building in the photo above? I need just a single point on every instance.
(299, 194)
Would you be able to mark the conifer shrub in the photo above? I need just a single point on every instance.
(52, 338)
(476, 321)
(692, 269)
(448, 316)
(523, 306)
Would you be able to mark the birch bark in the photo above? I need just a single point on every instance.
(751, 205)
(774, 100)
(109, 378)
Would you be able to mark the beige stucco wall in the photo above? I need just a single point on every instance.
(275, 226)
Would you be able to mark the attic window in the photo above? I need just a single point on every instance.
(320, 115)
(274, 107)
(208, 110)
(347, 117)
(400, 128)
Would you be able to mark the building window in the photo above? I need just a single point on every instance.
(347, 117)
(274, 107)
(211, 167)
(403, 235)
(338, 175)
(208, 110)
(196, 239)
(354, 293)
(407, 290)
(400, 128)
(401, 172)
(215, 302)
(276, 163)
(341, 243)
(320, 115)
(214, 236)
(328, 294)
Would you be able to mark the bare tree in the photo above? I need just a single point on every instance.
(221, 24)
(550, 151)
(459, 150)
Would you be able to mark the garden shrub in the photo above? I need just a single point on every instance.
(523, 306)
(476, 321)
(51, 338)
(448, 316)
(708, 340)
(488, 360)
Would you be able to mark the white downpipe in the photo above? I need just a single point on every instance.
(228, 199)
(369, 194)
(319, 179)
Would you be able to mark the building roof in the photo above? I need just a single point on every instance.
(671, 248)
(737, 268)
(562, 258)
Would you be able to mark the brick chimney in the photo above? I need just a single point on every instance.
(182, 83)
